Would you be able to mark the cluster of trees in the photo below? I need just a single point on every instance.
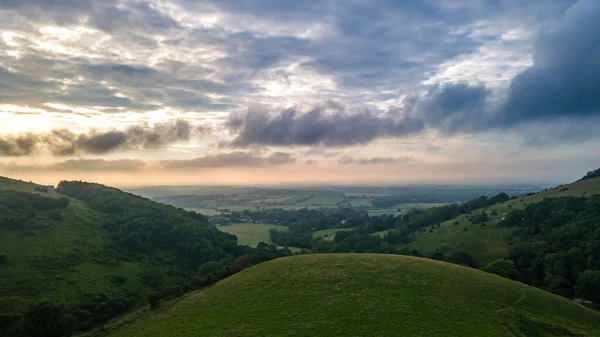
(300, 229)
(591, 175)
(558, 246)
(389, 201)
(18, 209)
(301, 224)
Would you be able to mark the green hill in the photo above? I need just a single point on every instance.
(100, 252)
(490, 241)
(364, 295)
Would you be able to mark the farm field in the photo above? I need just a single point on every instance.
(352, 294)
(251, 234)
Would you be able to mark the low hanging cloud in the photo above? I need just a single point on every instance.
(374, 160)
(81, 165)
(328, 125)
(62, 142)
(236, 159)
(231, 159)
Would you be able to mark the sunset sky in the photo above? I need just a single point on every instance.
(264, 92)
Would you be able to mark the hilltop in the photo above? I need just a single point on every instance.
(364, 295)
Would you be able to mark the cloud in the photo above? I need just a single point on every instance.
(279, 158)
(564, 80)
(559, 91)
(324, 125)
(231, 159)
(63, 142)
(81, 165)
(454, 107)
(374, 160)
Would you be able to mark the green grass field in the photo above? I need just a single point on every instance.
(485, 243)
(329, 232)
(364, 295)
(320, 201)
(250, 234)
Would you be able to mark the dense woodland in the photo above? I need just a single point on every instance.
(558, 246)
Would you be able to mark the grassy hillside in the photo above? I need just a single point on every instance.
(100, 252)
(51, 252)
(364, 295)
(490, 242)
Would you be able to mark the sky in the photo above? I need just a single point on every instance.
(174, 92)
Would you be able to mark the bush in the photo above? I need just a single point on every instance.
(41, 189)
(55, 215)
(154, 300)
(48, 319)
(503, 267)
(3, 259)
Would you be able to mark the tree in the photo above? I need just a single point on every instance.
(154, 300)
(3, 259)
(503, 267)
(463, 258)
(48, 319)
(588, 285)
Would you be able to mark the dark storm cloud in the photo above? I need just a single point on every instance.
(565, 77)
(453, 108)
(63, 142)
(560, 90)
(324, 125)
(374, 161)
(232, 159)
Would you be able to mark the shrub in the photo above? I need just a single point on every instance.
(41, 189)
(154, 300)
(503, 267)
(3, 259)
(48, 318)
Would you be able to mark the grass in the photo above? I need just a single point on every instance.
(364, 295)
(577, 189)
(320, 201)
(329, 232)
(250, 234)
(361, 202)
(39, 258)
(491, 242)
(484, 243)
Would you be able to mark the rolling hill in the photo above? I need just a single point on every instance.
(364, 295)
(96, 252)
(490, 242)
